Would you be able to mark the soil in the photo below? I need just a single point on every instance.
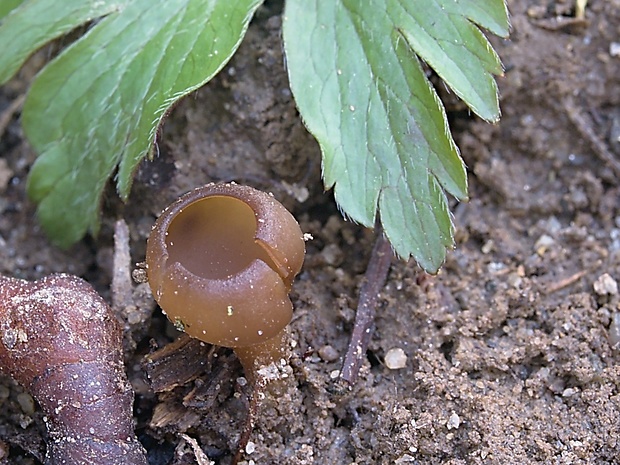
(512, 351)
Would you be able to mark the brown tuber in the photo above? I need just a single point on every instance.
(221, 261)
(60, 340)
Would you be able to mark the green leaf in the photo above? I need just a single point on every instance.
(442, 35)
(36, 22)
(98, 105)
(6, 6)
(383, 132)
(489, 14)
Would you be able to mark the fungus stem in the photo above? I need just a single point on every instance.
(262, 364)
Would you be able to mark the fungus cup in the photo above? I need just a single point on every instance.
(221, 261)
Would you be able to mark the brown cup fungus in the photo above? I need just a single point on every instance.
(221, 261)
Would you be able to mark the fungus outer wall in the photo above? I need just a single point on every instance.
(221, 261)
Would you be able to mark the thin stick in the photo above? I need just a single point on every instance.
(201, 457)
(249, 423)
(562, 283)
(122, 289)
(584, 126)
(374, 279)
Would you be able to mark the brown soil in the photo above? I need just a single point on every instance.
(510, 355)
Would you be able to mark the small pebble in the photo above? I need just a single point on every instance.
(26, 402)
(614, 133)
(543, 243)
(514, 280)
(395, 359)
(250, 447)
(568, 392)
(332, 255)
(328, 353)
(605, 285)
(454, 421)
(5, 392)
(487, 247)
(405, 459)
(552, 225)
(614, 330)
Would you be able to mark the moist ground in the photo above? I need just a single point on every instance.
(510, 355)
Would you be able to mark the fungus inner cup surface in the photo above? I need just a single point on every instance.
(221, 261)
(214, 238)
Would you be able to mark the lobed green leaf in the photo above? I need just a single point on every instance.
(383, 132)
(97, 106)
(37, 22)
(6, 6)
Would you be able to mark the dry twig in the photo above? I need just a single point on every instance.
(584, 126)
(565, 282)
(374, 279)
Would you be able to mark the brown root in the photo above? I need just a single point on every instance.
(60, 340)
